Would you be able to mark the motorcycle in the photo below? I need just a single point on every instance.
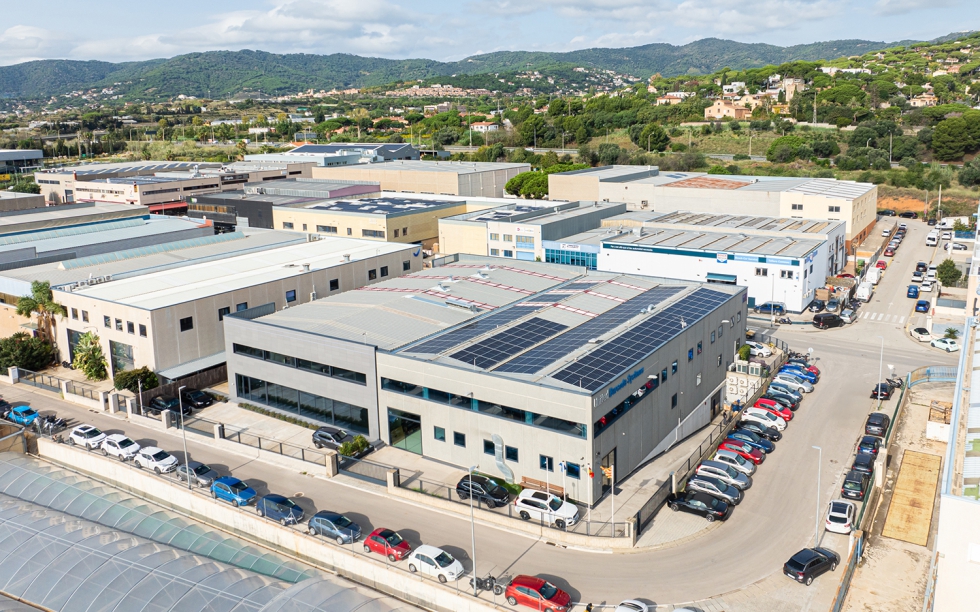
(488, 584)
(784, 321)
(67, 365)
(895, 383)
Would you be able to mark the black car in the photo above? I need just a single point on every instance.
(769, 433)
(881, 391)
(886, 212)
(701, 504)
(931, 221)
(330, 437)
(908, 214)
(864, 463)
(201, 474)
(827, 320)
(782, 399)
(809, 563)
(162, 402)
(877, 424)
(816, 306)
(855, 485)
(921, 267)
(196, 398)
(482, 489)
(869, 445)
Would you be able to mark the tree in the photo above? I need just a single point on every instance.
(25, 351)
(26, 186)
(970, 174)
(950, 139)
(40, 303)
(89, 358)
(242, 148)
(948, 273)
(131, 380)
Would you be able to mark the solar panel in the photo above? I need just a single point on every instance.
(609, 361)
(542, 356)
(472, 330)
(491, 351)
(578, 286)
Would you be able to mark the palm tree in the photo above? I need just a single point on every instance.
(41, 303)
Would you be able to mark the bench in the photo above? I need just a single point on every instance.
(540, 485)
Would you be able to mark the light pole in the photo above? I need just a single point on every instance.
(816, 517)
(881, 359)
(183, 434)
(473, 530)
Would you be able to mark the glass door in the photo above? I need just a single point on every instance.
(405, 431)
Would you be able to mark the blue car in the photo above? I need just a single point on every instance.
(336, 526)
(22, 415)
(752, 439)
(233, 491)
(913, 292)
(922, 306)
(800, 373)
(279, 508)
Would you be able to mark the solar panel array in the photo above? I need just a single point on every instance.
(472, 330)
(491, 351)
(609, 361)
(542, 356)
(578, 286)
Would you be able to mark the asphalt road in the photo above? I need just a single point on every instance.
(774, 521)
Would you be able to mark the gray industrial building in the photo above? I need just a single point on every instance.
(16, 160)
(516, 367)
(342, 154)
(12, 200)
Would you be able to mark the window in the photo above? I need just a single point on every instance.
(404, 231)
(350, 232)
(406, 266)
(396, 233)
(573, 470)
(712, 337)
(222, 312)
(118, 324)
(525, 242)
(142, 330)
(797, 207)
(762, 271)
(187, 324)
(495, 252)
(241, 307)
(85, 316)
(786, 274)
(721, 331)
(439, 433)
(663, 375)
(546, 463)
(673, 367)
(489, 448)
(291, 296)
(719, 359)
(699, 348)
(690, 354)
(508, 238)
(833, 209)
(372, 274)
(334, 284)
(738, 315)
(130, 328)
(673, 401)
(327, 229)
(366, 233)
(459, 439)
(811, 268)
(304, 227)
(508, 253)
(510, 453)
(287, 225)
(384, 271)
(494, 236)
(74, 313)
(699, 379)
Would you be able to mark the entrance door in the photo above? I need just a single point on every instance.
(609, 461)
(405, 431)
(121, 357)
(715, 405)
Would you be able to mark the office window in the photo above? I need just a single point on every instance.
(439, 433)
(712, 337)
(334, 284)
(118, 324)
(130, 328)
(699, 348)
(494, 236)
(74, 313)
(488, 447)
(699, 379)
(663, 375)
(762, 271)
(721, 330)
(142, 330)
(372, 274)
(495, 252)
(404, 231)
(396, 233)
(508, 238)
(287, 225)
(459, 439)
(366, 233)
(508, 253)
(525, 242)
(327, 229)
(85, 316)
(573, 470)
(690, 354)
(384, 271)
(510, 453)
(304, 227)
(738, 315)
(833, 209)
(673, 367)
(785, 274)
(797, 207)
(222, 312)
(291, 296)
(241, 307)
(406, 266)
(719, 359)
(546, 463)
(673, 401)
(350, 232)
(811, 268)
(187, 324)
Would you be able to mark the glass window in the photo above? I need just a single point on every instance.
(546, 463)
(287, 225)
(489, 448)
(242, 306)
(719, 359)
(326, 229)
(350, 232)
(396, 233)
(494, 236)
(699, 378)
(573, 470)
(663, 375)
(85, 316)
(690, 354)
(280, 358)
(495, 252)
(291, 296)
(699, 348)
(508, 253)
(721, 331)
(222, 312)
(712, 337)
(673, 367)
(673, 401)
(439, 433)
(404, 231)
(334, 284)
(187, 324)
(74, 313)
(510, 453)
(406, 266)
(366, 233)
(130, 328)
(459, 439)
(372, 274)
(508, 238)
(143, 330)
(384, 271)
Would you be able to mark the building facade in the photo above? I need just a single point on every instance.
(472, 179)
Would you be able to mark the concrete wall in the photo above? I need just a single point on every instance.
(421, 226)
(958, 545)
(487, 183)
(10, 200)
(573, 187)
(462, 237)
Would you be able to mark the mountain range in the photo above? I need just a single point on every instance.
(225, 73)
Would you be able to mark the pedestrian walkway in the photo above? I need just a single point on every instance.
(882, 317)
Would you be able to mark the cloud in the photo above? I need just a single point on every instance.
(901, 7)
(21, 43)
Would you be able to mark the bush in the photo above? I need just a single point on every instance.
(952, 333)
(130, 380)
(740, 157)
(24, 351)
(89, 358)
(744, 352)
(678, 147)
(947, 273)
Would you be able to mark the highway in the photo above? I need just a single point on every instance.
(774, 521)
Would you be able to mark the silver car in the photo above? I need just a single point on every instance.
(715, 488)
(725, 473)
(848, 316)
(794, 383)
(736, 461)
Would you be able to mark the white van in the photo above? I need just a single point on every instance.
(873, 276)
(864, 292)
(932, 239)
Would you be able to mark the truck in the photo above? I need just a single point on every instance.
(873, 276)
(864, 292)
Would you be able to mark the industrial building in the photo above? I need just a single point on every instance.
(12, 200)
(472, 179)
(344, 154)
(512, 366)
(58, 184)
(646, 188)
(159, 194)
(235, 175)
(17, 160)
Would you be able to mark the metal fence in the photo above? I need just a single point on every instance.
(202, 427)
(932, 374)
(845, 583)
(42, 381)
(363, 469)
(83, 390)
(274, 446)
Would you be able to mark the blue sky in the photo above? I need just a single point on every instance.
(114, 30)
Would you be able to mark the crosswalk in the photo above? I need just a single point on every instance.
(882, 317)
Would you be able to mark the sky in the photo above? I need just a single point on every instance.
(116, 30)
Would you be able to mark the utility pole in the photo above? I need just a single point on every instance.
(816, 520)
(814, 106)
(889, 148)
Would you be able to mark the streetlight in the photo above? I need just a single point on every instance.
(816, 517)
(183, 434)
(473, 530)
(881, 359)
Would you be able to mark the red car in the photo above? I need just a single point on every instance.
(387, 542)
(537, 593)
(743, 450)
(774, 407)
(889, 252)
(845, 275)
(882, 264)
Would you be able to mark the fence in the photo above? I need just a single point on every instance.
(274, 446)
(852, 561)
(365, 470)
(202, 427)
(42, 381)
(201, 380)
(932, 374)
(83, 390)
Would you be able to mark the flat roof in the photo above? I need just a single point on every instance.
(311, 187)
(536, 213)
(96, 233)
(198, 280)
(20, 154)
(230, 197)
(147, 167)
(385, 206)
(453, 167)
(744, 223)
(54, 216)
(546, 314)
(148, 179)
(347, 146)
(713, 241)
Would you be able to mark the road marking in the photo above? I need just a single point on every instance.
(901, 320)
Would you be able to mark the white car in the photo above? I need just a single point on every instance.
(120, 447)
(917, 277)
(840, 517)
(921, 334)
(947, 236)
(86, 435)
(794, 383)
(757, 349)
(946, 344)
(631, 605)
(764, 418)
(546, 507)
(926, 286)
(734, 460)
(435, 562)
(157, 459)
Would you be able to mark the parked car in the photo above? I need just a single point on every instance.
(927, 286)
(22, 415)
(869, 445)
(156, 459)
(632, 605)
(758, 349)
(931, 221)
(826, 320)
(889, 252)
(196, 398)
(334, 525)
(955, 246)
(803, 363)
(730, 458)
(946, 344)
(917, 277)
(855, 485)
(701, 504)
(482, 490)
(778, 387)
(884, 212)
(921, 266)
(725, 473)
(845, 275)
(536, 593)
(86, 435)
(782, 399)
(809, 563)
(547, 508)
(162, 402)
(877, 424)
(908, 215)
(233, 491)
(199, 473)
(763, 431)
(840, 517)
(912, 292)
(763, 417)
(816, 306)
(793, 382)
(864, 463)
(388, 543)
(330, 437)
(774, 407)
(775, 308)
(742, 449)
(921, 334)
(881, 391)
(800, 372)
(120, 447)
(848, 316)
(714, 488)
(881, 264)
(833, 305)
(746, 436)
(946, 236)
(279, 508)
(435, 562)
(922, 306)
